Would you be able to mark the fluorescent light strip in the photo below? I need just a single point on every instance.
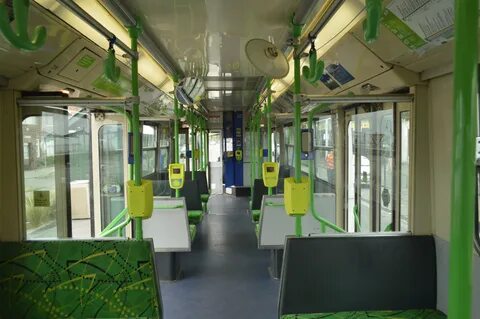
(147, 66)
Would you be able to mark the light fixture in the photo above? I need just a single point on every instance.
(147, 66)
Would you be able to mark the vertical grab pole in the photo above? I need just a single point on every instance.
(193, 137)
(269, 126)
(260, 145)
(176, 152)
(252, 161)
(297, 30)
(137, 158)
(463, 159)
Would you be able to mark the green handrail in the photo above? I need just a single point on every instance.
(115, 221)
(176, 111)
(116, 228)
(297, 31)
(134, 31)
(314, 72)
(168, 206)
(357, 218)
(268, 112)
(110, 68)
(20, 39)
(324, 222)
(371, 25)
(463, 194)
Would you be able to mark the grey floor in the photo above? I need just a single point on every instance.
(225, 275)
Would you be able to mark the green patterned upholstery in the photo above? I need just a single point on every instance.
(195, 216)
(204, 197)
(256, 215)
(78, 279)
(403, 314)
(193, 232)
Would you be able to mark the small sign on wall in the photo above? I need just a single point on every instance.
(41, 198)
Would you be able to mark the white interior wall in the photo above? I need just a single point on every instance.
(440, 125)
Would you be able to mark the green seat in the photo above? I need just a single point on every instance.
(257, 230)
(204, 197)
(195, 216)
(402, 314)
(193, 232)
(256, 215)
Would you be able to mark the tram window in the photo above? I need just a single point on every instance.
(164, 147)
(324, 133)
(404, 171)
(111, 171)
(149, 143)
(371, 157)
(57, 174)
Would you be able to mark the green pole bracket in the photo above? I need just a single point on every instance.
(20, 38)
(371, 25)
(314, 72)
(110, 68)
(463, 186)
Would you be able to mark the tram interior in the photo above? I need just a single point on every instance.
(239, 159)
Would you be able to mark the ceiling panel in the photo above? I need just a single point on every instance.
(207, 37)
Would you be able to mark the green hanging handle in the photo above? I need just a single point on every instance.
(371, 25)
(313, 73)
(111, 70)
(20, 38)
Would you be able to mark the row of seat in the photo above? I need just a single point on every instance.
(195, 191)
(359, 276)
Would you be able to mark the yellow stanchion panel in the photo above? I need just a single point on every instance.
(270, 174)
(140, 199)
(297, 196)
(176, 175)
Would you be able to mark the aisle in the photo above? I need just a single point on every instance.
(225, 276)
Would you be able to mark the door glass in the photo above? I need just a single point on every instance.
(111, 172)
(39, 177)
(57, 174)
(404, 169)
(370, 174)
(182, 140)
(384, 154)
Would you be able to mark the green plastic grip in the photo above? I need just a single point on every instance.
(111, 70)
(371, 25)
(313, 73)
(20, 38)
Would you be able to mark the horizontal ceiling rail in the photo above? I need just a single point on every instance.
(158, 54)
(80, 102)
(82, 14)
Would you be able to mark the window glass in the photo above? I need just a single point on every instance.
(404, 172)
(57, 174)
(149, 147)
(111, 171)
(324, 133)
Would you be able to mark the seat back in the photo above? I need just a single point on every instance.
(191, 193)
(335, 273)
(79, 279)
(201, 176)
(259, 190)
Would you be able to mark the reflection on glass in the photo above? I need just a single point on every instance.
(325, 153)
(370, 171)
(111, 171)
(182, 142)
(149, 143)
(39, 174)
(404, 171)
(57, 164)
(214, 147)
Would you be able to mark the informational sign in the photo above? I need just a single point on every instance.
(41, 198)
(420, 24)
